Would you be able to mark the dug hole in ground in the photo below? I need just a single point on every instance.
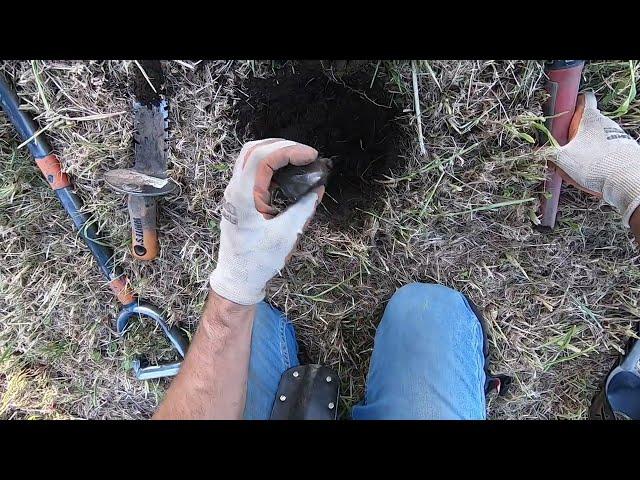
(560, 305)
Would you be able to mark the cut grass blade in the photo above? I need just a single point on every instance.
(36, 73)
(416, 103)
(631, 95)
(318, 297)
(493, 206)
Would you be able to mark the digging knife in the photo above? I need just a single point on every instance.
(148, 179)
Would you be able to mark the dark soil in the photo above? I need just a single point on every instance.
(302, 103)
(141, 88)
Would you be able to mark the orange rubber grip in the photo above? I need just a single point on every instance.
(120, 286)
(144, 233)
(52, 171)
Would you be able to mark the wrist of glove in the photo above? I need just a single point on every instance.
(255, 242)
(602, 158)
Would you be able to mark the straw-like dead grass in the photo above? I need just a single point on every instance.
(560, 305)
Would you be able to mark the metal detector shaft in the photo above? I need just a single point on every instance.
(61, 184)
(59, 181)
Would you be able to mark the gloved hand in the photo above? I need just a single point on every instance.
(601, 158)
(254, 242)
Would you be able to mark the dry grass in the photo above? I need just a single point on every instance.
(560, 305)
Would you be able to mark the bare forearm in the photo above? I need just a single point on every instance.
(212, 382)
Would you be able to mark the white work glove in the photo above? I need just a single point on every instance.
(254, 243)
(601, 158)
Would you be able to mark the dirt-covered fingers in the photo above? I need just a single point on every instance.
(296, 154)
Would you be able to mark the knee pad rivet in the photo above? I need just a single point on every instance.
(296, 374)
(329, 379)
(331, 405)
(283, 398)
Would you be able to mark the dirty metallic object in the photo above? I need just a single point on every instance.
(49, 164)
(562, 86)
(147, 180)
(619, 396)
(294, 181)
(307, 392)
(141, 368)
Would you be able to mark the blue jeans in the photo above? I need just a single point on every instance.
(427, 361)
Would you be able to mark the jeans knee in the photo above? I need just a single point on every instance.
(426, 306)
(419, 293)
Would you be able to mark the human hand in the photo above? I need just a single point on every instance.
(601, 158)
(255, 241)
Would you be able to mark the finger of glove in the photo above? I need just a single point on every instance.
(290, 223)
(578, 114)
(297, 217)
(297, 154)
(248, 149)
(586, 113)
(240, 189)
(318, 190)
(588, 132)
(570, 181)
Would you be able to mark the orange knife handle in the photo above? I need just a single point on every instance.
(143, 212)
